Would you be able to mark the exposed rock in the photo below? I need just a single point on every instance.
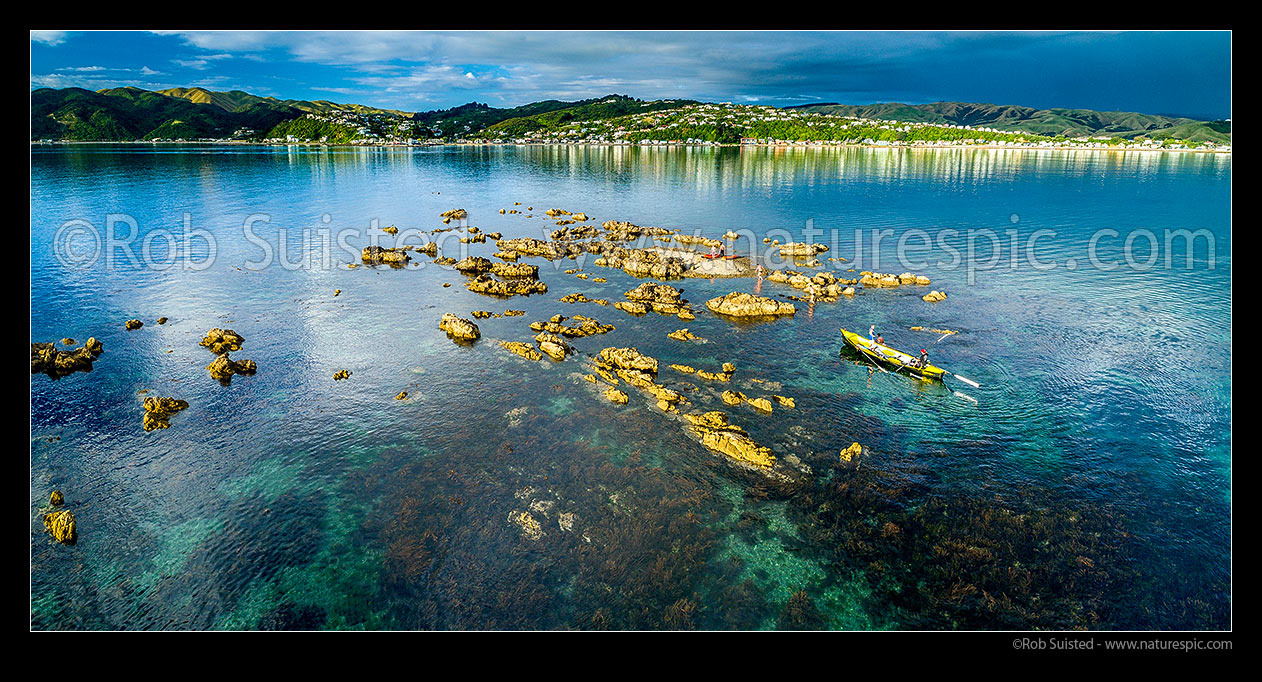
(683, 368)
(223, 367)
(459, 329)
(616, 396)
(221, 341)
(390, 230)
(133, 324)
(377, 255)
(55, 363)
(785, 401)
(523, 349)
(633, 307)
(341, 374)
(741, 304)
(629, 358)
(851, 455)
(162, 320)
(683, 335)
(760, 403)
(801, 249)
(728, 368)
(401, 395)
(61, 525)
(486, 284)
(473, 265)
(56, 499)
(733, 397)
(717, 434)
(580, 326)
(453, 214)
(553, 345)
(515, 270)
(158, 412)
(934, 297)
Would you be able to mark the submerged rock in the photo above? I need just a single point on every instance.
(527, 524)
(741, 304)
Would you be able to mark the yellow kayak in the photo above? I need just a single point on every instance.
(896, 360)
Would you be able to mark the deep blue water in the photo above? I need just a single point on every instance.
(1088, 479)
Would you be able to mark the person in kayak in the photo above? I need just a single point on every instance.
(923, 360)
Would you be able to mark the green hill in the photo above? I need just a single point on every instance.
(1050, 122)
(238, 100)
(122, 114)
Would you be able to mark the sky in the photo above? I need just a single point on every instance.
(1179, 73)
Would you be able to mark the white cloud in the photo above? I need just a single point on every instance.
(49, 37)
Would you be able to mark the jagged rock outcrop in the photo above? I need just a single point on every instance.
(223, 368)
(55, 363)
(221, 341)
(61, 525)
(717, 434)
(486, 284)
(553, 345)
(579, 326)
(629, 358)
(459, 329)
(523, 349)
(158, 412)
(378, 255)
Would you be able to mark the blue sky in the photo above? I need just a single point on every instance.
(1182, 73)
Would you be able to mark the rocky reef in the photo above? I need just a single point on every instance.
(46, 359)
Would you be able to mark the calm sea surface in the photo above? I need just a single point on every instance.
(1086, 484)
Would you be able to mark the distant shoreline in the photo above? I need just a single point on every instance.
(40, 143)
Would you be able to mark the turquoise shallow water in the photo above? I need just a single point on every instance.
(1085, 484)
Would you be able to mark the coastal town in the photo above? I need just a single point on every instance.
(703, 125)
